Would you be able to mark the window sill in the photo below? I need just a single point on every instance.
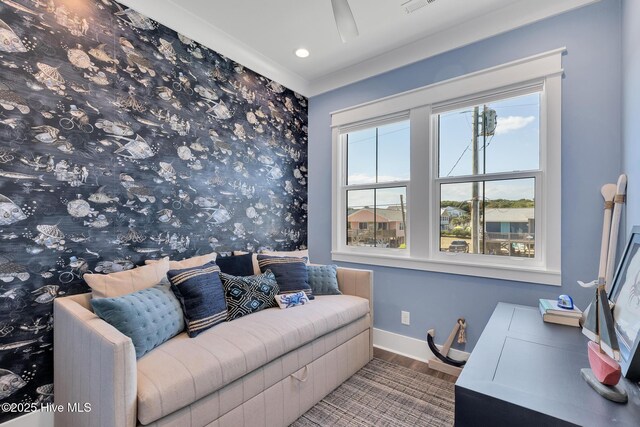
(516, 273)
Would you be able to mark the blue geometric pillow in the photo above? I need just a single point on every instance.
(291, 273)
(200, 292)
(249, 294)
(323, 279)
(149, 317)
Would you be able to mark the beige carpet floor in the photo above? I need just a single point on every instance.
(385, 394)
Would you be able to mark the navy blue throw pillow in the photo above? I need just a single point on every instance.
(201, 295)
(236, 265)
(291, 273)
(249, 294)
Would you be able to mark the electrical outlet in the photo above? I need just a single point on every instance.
(405, 317)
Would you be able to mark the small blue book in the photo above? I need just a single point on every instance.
(549, 306)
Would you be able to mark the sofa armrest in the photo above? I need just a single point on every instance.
(358, 283)
(93, 363)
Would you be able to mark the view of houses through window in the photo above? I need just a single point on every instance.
(488, 167)
(379, 223)
(489, 157)
(505, 226)
(377, 166)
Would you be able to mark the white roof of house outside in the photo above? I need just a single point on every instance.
(509, 215)
(451, 211)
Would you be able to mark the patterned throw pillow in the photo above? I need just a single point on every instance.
(291, 300)
(291, 273)
(149, 317)
(236, 265)
(323, 279)
(200, 293)
(246, 295)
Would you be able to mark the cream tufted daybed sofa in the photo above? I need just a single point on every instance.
(264, 369)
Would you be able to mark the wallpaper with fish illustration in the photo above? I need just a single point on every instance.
(122, 140)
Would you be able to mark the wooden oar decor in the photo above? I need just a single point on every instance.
(618, 200)
(608, 192)
(614, 198)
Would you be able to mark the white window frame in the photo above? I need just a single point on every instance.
(370, 186)
(541, 72)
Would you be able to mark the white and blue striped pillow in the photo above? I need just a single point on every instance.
(201, 295)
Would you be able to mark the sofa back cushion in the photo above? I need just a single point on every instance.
(249, 294)
(195, 261)
(149, 317)
(126, 282)
(291, 273)
(295, 254)
(200, 293)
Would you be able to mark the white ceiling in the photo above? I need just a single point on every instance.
(263, 34)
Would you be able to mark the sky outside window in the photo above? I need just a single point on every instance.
(379, 155)
(514, 147)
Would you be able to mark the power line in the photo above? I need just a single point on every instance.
(379, 135)
(459, 158)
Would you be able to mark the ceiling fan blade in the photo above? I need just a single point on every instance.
(345, 22)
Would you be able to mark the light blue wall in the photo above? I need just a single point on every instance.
(631, 107)
(591, 156)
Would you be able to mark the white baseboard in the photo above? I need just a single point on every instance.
(32, 419)
(410, 347)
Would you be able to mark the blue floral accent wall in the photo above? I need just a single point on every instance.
(122, 140)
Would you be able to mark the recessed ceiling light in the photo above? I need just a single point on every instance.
(302, 53)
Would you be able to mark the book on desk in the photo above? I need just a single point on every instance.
(551, 313)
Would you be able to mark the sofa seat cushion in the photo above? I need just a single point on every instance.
(183, 370)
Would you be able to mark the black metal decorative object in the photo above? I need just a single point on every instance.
(122, 140)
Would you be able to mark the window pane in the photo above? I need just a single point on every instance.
(455, 217)
(507, 137)
(500, 222)
(360, 218)
(393, 152)
(361, 157)
(391, 209)
(376, 217)
(378, 154)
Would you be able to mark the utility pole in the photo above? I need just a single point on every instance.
(475, 212)
(404, 220)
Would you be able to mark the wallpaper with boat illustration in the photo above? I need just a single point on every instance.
(122, 140)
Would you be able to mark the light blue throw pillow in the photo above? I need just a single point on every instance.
(149, 317)
(323, 279)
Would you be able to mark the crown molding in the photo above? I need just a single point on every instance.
(502, 20)
(173, 15)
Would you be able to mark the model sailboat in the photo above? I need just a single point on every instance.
(603, 350)
(598, 327)
(598, 324)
